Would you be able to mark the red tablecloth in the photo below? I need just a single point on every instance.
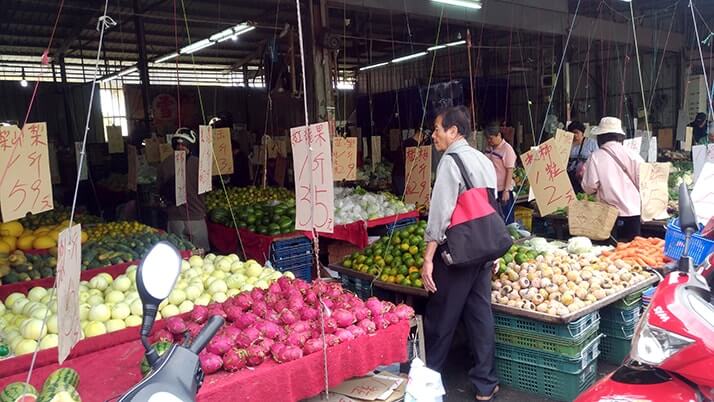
(356, 232)
(257, 246)
(107, 373)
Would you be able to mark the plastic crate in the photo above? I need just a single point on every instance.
(293, 262)
(400, 224)
(628, 300)
(574, 330)
(614, 350)
(291, 251)
(550, 344)
(359, 287)
(303, 272)
(550, 383)
(620, 315)
(280, 244)
(620, 330)
(699, 247)
(550, 361)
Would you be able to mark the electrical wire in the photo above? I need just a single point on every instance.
(701, 57)
(639, 72)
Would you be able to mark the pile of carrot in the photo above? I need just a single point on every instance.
(645, 252)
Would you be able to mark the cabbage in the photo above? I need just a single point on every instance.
(354, 204)
(579, 245)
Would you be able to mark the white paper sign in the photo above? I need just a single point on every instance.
(654, 192)
(78, 154)
(633, 144)
(180, 174)
(652, 152)
(205, 159)
(703, 194)
(69, 257)
(701, 154)
(376, 150)
(688, 137)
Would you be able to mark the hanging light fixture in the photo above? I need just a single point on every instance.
(475, 4)
(23, 82)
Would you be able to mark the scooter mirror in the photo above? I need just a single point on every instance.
(155, 278)
(687, 216)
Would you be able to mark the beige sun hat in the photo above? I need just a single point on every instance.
(608, 125)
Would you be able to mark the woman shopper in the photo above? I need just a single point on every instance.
(503, 157)
(613, 173)
(458, 291)
(580, 151)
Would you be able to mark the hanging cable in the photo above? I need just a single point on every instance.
(639, 68)
(701, 57)
(664, 55)
(525, 82)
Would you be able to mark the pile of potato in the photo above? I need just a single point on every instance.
(559, 283)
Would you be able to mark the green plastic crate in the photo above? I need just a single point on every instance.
(618, 329)
(546, 382)
(622, 315)
(575, 330)
(629, 300)
(549, 344)
(548, 360)
(614, 350)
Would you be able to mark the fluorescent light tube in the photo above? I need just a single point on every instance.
(166, 57)
(409, 57)
(373, 66)
(127, 71)
(437, 47)
(457, 43)
(231, 32)
(194, 47)
(445, 45)
(463, 3)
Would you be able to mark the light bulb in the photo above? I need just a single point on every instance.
(23, 83)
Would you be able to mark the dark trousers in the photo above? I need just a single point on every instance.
(462, 292)
(626, 228)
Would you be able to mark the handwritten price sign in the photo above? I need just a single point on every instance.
(701, 154)
(633, 144)
(376, 150)
(205, 159)
(703, 194)
(180, 176)
(545, 168)
(133, 161)
(69, 256)
(165, 151)
(314, 190)
(418, 171)
(223, 151)
(654, 190)
(115, 140)
(25, 181)
(344, 158)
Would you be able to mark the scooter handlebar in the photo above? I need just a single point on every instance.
(214, 324)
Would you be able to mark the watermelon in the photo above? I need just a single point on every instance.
(161, 348)
(19, 392)
(59, 392)
(64, 375)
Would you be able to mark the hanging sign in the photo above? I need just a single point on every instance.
(115, 140)
(395, 139)
(314, 190)
(281, 145)
(344, 158)
(654, 190)
(133, 161)
(703, 194)
(165, 151)
(701, 154)
(417, 167)
(180, 177)
(633, 144)
(652, 151)
(205, 159)
(69, 257)
(222, 151)
(376, 150)
(25, 181)
(545, 167)
(151, 150)
(78, 155)
(688, 137)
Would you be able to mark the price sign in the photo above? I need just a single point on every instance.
(69, 257)
(344, 158)
(688, 135)
(78, 155)
(654, 190)
(115, 140)
(282, 146)
(25, 181)
(165, 151)
(180, 177)
(563, 139)
(652, 151)
(272, 147)
(418, 174)
(151, 150)
(703, 194)
(205, 159)
(395, 139)
(633, 144)
(133, 161)
(376, 150)
(701, 154)
(545, 168)
(314, 190)
(223, 151)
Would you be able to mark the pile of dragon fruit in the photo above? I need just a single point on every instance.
(283, 323)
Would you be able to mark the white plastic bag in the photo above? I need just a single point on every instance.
(424, 384)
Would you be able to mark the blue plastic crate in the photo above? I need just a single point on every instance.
(293, 262)
(699, 247)
(303, 272)
(290, 242)
(400, 224)
(290, 252)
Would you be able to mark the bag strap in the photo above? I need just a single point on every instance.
(462, 169)
(622, 166)
(580, 151)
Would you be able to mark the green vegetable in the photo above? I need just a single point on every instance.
(18, 392)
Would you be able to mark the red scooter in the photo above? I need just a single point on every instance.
(672, 355)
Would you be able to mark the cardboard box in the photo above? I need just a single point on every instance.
(382, 386)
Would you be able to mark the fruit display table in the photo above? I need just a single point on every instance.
(224, 240)
(270, 381)
(356, 232)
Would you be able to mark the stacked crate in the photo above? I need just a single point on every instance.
(294, 255)
(558, 361)
(618, 324)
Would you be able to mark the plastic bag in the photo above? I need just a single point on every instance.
(424, 384)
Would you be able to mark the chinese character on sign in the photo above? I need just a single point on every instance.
(555, 191)
(69, 257)
(222, 152)
(344, 158)
(418, 175)
(205, 159)
(180, 176)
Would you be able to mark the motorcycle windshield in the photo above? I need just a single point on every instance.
(702, 307)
